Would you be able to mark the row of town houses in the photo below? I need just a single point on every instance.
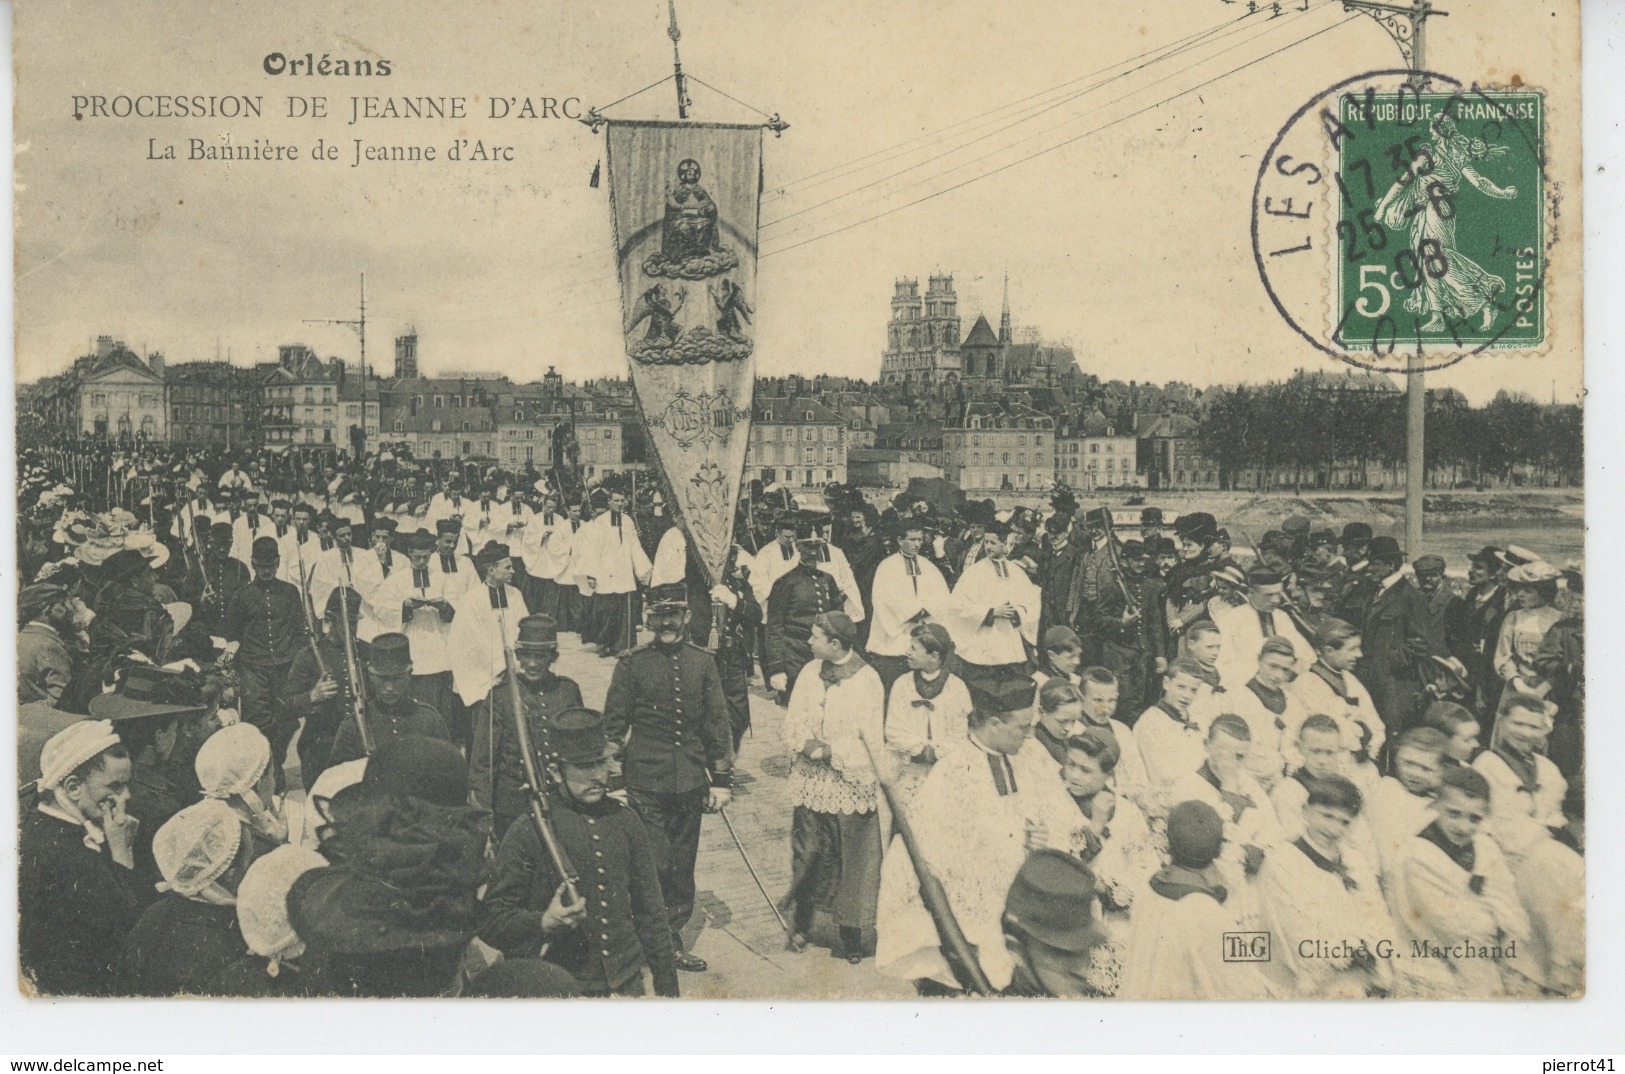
(1015, 436)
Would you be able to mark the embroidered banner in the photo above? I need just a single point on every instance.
(684, 199)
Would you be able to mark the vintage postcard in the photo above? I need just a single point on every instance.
(705, 499)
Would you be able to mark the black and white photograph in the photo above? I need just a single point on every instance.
(688, 499)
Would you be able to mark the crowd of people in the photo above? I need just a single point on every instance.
(1026, 753)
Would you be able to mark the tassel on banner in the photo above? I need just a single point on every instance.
(593, 182)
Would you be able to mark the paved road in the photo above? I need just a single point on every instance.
(734, 929)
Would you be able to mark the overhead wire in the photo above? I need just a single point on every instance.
(1004, 124)
(557, 297)
(1168, 50)
(808, 179)
(1062, 144)
(1266, 30)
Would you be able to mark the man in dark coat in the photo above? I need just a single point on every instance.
(267, 619)
(496, 768)
(316, 692)
(666, 703)
(1400, 632)
(796, 599)
(1059, 564)
(1133, 626)
(864, 550)
(617, 924)
(391, 710)
(76, 854)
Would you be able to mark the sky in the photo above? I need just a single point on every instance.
(1126, 235)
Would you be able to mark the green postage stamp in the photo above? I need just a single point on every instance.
(1440, 233)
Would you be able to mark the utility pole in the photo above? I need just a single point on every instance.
(360, 325)
(677, 62)
(1407, 25)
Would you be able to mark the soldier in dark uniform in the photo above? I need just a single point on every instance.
(210, 586)
(391, 711)
(731, 609)
(617, 925)
(267, 618)
(317, 693)
(1133, 625)
(496, 769)
(666, 703)
(796, 600)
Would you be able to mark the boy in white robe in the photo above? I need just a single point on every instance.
(1459, 902)
(1251, 831)
(1526, 816)
(1320, 744)
(1129, 780)
(833, 721)
(1330, 686)
(1169, 740)
(1402, 804)
(1328, 923)
(484, 615)
(928, 711)
(1269, 707)
(1176, 938)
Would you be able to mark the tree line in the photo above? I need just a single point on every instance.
(1291, 431)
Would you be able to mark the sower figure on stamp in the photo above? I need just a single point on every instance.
(666, 703)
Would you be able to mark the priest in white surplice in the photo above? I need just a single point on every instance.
(985, 805)
(413, 600)
(486, 616)
(612, 564)
(994, 613)
(1245, 627)
(908, 589)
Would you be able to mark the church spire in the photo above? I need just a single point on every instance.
(1004, 317)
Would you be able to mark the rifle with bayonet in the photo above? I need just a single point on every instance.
(540, 808)
(358, 693)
